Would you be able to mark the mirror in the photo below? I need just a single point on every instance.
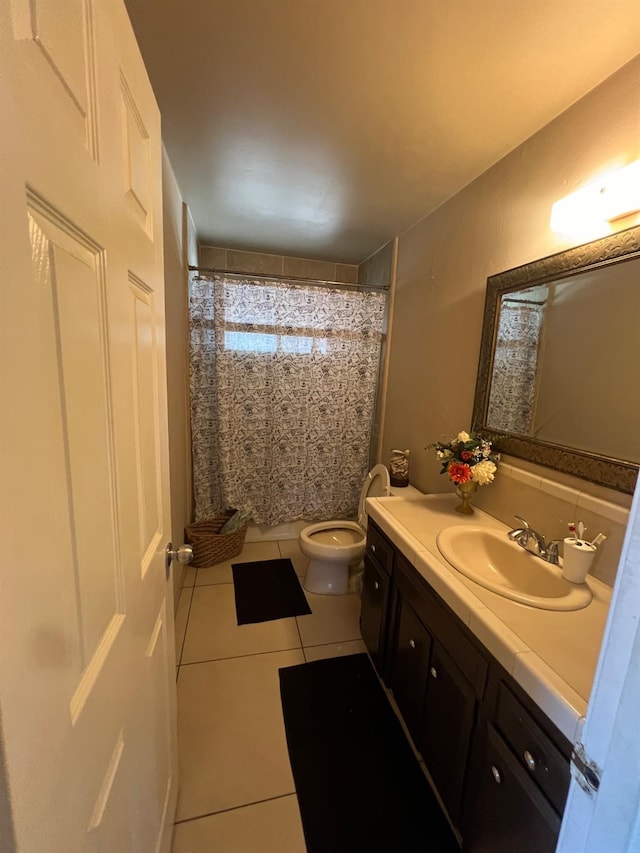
(559, 360)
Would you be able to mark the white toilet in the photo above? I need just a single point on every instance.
(333, 546)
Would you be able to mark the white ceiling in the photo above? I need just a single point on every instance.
(323, 128)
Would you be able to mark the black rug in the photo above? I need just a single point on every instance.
(359, 785)
(266, 590)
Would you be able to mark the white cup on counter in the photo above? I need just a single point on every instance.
(577, 558)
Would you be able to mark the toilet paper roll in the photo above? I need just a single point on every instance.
(577, 558)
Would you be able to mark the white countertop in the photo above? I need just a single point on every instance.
(551, 654)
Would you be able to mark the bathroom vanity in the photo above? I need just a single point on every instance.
(489, 705)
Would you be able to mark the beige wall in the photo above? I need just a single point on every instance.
(259, 263)
(499, 221)
(178, 237)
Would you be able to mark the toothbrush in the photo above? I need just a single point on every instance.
(598, 540)
(572, 530)
(581, 530)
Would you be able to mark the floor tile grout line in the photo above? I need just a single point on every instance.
(300, 638)
(213, 583)
(186, 625)
(235, 808)
(332, 643)
(239, 657)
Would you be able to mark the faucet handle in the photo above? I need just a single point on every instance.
(524, 521)
(552, 551)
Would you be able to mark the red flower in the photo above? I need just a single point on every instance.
(459, 472)
(466, 455)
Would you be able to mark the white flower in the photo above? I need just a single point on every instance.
(439, 454)
(483, 472)
(463, 436)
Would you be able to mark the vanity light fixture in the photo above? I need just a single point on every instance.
(589, 210)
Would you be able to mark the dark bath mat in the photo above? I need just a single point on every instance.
(359, 785)
(266, 590)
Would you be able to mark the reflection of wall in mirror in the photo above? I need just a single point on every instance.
(589, 363)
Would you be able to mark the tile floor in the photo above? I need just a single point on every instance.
(236, 789)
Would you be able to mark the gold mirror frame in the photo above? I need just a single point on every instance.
(616, 473)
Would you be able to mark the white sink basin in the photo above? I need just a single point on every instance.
(492, 560)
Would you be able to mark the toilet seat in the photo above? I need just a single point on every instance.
(336, 534)
(333, 540)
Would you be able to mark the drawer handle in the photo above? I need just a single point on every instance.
(434, 672)
(529, 760)
(496, 774)
(373, 548)
(376, 585)
(412, 643)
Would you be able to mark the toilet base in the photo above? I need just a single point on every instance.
(327, 577)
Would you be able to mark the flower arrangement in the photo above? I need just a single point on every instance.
(468, 458)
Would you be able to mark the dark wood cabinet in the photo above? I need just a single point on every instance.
(410, 664)
(499, 766)
(373, 615)
(448, 722)
(508, 812)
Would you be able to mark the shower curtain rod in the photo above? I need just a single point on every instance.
(321, 282)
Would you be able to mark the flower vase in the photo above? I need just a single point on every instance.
(465, 491)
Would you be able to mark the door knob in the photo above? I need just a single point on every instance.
(183, 554)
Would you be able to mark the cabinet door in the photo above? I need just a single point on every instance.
(446, 730)
(509, 813)
(375, 596)
(409, 669)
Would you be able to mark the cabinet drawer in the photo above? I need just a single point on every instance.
(533, 748)
(379, 547)
(509, 813)
(443, 625)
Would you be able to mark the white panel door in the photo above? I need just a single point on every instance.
(87, 674)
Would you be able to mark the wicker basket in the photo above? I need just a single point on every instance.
(211, 547)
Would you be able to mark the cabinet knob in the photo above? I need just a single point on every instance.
(373, 548)
(412, 643)
(496, 774)
(376, 585)
(529, 760)
(434, 672)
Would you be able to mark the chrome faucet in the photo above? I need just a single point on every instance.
(534, 542)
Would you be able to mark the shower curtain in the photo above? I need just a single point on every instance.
(283, 384)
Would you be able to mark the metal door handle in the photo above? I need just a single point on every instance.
(529, 760)
(496, 774)
(434, 672)
(412, 643)
(376, 585)
(183, 554)
(373, 548)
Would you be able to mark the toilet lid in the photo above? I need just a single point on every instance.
(376, 485)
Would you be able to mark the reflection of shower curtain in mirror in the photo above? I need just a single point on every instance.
(283, 383)
(513, 382)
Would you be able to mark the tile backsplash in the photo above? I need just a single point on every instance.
(549, 501)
